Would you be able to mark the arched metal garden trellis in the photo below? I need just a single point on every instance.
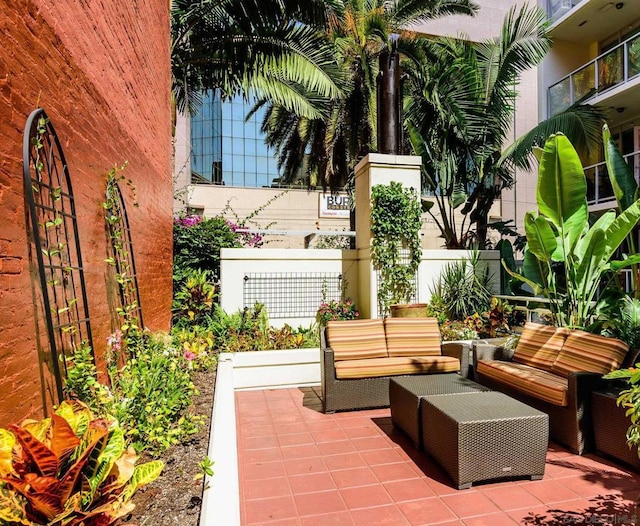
(121, 247)
(54, 231)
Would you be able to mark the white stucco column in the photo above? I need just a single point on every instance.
(374, 169)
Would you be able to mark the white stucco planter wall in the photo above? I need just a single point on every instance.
(276, 369)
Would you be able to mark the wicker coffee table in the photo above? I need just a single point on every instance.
(406, 392)
(484, 435)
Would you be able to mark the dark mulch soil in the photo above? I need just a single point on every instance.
(176, 497)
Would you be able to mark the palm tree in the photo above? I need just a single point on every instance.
(459, 112)
(274, 48)
(361, 30)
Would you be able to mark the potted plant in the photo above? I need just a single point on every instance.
(395, 247)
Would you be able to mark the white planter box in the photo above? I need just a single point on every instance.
(276, 369)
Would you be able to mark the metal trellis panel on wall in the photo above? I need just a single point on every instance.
(54, 237)
(121, 248)
(291, 294)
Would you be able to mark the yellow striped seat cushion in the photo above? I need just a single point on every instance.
(539, 345)
(535, 382)
(412, 336)
(355, 339)
(396, 365)
(583, 351)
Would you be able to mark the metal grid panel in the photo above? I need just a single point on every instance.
(291, 294)
(121, 251)
(55, 243)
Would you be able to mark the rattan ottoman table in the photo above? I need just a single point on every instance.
(610, 424)
(406, 392)
(484, 435)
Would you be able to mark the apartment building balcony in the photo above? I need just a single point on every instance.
(600, 194)
(608, 77)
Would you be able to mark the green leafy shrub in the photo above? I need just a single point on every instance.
(463, 288)
(149, 394)
(395, 244)
(152, 393)
(336, 310)
(198, 344)
(70, 469)
(193, 301)
(197, 244)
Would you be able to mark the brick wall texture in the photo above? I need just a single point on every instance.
(101, 71)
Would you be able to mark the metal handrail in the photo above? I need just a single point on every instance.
(600, 170)
(624, 76)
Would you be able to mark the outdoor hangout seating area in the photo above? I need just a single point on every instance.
(300, 466)
(447, 450)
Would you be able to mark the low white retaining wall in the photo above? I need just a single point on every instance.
(276, 369)
(248, 370)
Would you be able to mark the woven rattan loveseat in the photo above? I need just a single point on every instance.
(555, 370)
(359, 356)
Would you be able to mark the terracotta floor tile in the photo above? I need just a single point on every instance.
(347, 478)
(326, 424)
(291, 429)
(258, 431)
(365, 496)
(340, 518)
(381, 456)
(304, 451)
(302, 466)
(344, 461)
(254, 456)
(297, 439)
(549, 491)
(266, 488)
(370, 443)
(311, 483)
(263, 470)
(249, 443)
(469, 504)
(262, 511)
(365, 431)
(319, 502)
(389, 472)
(426, 511)
(496, 519)
(510, 497)
(551, 515)
(380, 516)
(411, 489)
(329, 435)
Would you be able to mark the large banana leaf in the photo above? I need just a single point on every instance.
(540, 237)
(590, 266)
(622, 180)
(562, 189)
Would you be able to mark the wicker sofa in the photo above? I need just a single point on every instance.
(359, 356)
(555, 370)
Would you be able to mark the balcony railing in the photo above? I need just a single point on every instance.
(615, 67)
(599, 189)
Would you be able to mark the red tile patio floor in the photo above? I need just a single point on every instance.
(301, 467)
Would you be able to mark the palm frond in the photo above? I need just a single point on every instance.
(581, 123)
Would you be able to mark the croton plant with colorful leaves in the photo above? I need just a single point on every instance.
(69, 469)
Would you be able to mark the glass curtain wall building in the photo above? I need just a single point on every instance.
(226, 150)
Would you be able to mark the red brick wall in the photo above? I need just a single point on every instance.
(101, 71)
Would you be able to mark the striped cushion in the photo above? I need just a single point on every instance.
(355, 339)
(583, 351)
(396, 365)
(539, 384)
(412, 336)
(540, 345)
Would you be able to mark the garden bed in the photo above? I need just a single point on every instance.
(176, 496)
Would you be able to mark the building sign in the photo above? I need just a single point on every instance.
(334, 205)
